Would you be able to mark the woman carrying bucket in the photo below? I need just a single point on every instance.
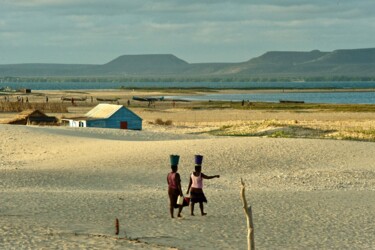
(196, 185)
(174, 186)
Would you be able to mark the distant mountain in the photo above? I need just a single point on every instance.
(358, 56)
(340, 63)
(359, 62)
(144, 64)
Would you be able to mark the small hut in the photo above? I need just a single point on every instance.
(33, 117)
(24, 90)
(107, 116)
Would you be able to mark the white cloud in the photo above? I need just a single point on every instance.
(194, 30)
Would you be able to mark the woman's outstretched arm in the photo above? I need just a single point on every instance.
(210, 177)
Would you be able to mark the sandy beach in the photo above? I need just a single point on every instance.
(63, 188)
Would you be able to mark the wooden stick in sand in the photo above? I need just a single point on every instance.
(249, 219)
(117, 226)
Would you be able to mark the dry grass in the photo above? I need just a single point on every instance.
(333, 121)
(161, 122)
(45, 107)
(348, 130)
(282, 106)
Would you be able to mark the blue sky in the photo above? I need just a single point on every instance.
(97, 31)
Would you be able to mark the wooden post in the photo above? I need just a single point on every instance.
(249, 219)
(117, 225)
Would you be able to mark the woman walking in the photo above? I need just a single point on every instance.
(196, 186)
(174, 186)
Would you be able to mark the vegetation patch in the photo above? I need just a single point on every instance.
(45, 107)
(293, 107)
(159, 121)
(358, 135)
(299, 129)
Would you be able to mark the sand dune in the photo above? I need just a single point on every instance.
(62, 188)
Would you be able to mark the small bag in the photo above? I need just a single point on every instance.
(186, 201)
(180, 200)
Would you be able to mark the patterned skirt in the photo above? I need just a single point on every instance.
(197, 195)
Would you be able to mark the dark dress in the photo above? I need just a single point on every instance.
(173, 191)
(197, 195)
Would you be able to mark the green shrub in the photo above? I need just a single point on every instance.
(159, 121)
(168, 122)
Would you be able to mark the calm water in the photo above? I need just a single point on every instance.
(332, 97)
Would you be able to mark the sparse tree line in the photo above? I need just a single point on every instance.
(135, 79)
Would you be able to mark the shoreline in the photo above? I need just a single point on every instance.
(182, 91)
(208, 90)
(286, 120)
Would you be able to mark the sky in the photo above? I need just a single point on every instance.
(97, 31)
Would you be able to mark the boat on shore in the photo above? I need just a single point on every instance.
(290, 101)
(107, 99)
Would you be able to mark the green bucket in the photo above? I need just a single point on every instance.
(174, 159)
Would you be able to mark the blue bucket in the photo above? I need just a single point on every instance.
(198, 159)
(174, 159)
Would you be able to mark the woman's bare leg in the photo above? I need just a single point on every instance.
(202, 208)
(171, 208)
(179, 211)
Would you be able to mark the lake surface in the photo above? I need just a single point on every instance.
(307, 97)
(349, 97)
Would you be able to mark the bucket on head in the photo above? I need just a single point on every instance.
(174, 159)
(198, 159)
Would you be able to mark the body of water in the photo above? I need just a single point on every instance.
(307, 97)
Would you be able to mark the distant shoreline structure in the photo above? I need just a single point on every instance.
(207, 86)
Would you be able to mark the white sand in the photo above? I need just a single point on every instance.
(62, 188)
